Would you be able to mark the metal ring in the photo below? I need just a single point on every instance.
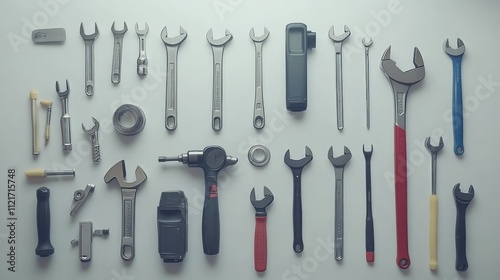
(140, 119)
(257, 161)
(78, 195)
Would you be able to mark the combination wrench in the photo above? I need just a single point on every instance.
(142, 60)
(258, 109)
(116, 65)
(89, 58)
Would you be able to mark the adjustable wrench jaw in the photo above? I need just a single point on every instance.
(452, 52)
(62, 94)
(119, 173)
(93, 130)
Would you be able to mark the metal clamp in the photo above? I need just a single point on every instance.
(80, 196)
(85, 239)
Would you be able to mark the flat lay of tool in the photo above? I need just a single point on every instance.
(259, 118)
(34, 122)
(369, 234)
(116, 66)
(260, 236)
(367, 43)
(65, 118)
(89, 59)
(462, 200)
(142, 60)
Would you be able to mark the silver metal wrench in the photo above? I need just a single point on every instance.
(117, 53)
(65, 119)
(142, 60)
(258, 109)
(89, 59)
(94, 139)
(367, 44)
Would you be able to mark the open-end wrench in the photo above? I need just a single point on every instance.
(129, 189)
(462, 200)
(433, 202)
(89, 58)
(367, 44)
(260, 237)
(297, 166)
(400, 83)
(142, 60)
(116, 65)
(338, 164)
(94, 139)
(217, 51)
(65, 118)
(172, 45)
(458, 121)
(337, 43)
(258, 108)
(369, 234)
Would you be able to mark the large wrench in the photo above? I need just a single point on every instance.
(258, 108)
(217, 51)
(172, 46)
(116, 66)
(65, 119)
(89, 58)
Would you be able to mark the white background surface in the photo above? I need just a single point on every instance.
(402, 24)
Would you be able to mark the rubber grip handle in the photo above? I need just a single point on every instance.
(433, 202)
(211, 223)
(44, 247)
(401, 190)
(458, 122)
(260, 244)
(298, 244)
(370, 240)
(35, 173)
(461, 263)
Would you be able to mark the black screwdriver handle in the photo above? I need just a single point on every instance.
(44, 248)
(298, 245)
(461, 263)
(211, 223)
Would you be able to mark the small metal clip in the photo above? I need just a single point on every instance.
(80, 196)
(85, 240)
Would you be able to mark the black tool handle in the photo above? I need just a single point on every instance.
(461, 263)
(44, 248)
(211, 223)
(369, 235)
(298, 245)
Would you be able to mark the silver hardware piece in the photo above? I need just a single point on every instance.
(94, 139)
(89, 58)
(85, 240)
(258, 109)
(257, 160)
(49, 35)
(142, 60)
(367, 43)
(116, 66)
(65, 118)
(80, 196)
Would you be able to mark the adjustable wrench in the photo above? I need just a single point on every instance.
(258, 109)
(142, 60)
(65, 119)
(172, 46)
(116, 66)
(89, 59)
(94, 139)
(217, 51)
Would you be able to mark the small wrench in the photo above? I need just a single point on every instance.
(367, 44)
(142, 60)
(65, 119)
(462, 200)
(89, 58)
(172, 46)
(260, 237)
(337, 43)
(217, 90)
(93, 133)
(258, 109)
(116, 66)
(369, 234)
(338, 164)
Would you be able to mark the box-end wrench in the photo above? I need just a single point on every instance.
(258, 108)
(338, 164)
(367, 43)
(401, 83)
(89, 58)
(172, 45)
(65, 119)
(458, 121)
(337, 43)
(462, 200)
(217, 90)
(116, 66)
(142, 60)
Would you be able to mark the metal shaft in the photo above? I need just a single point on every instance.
(117, 59)
(89, 67)
(69, 172)
(142, 60)
(217, 89)
(434, 171)
(367, 85)
(258, 112)
(339, 214)
(171, 100)
(65, 125)
(339, 86)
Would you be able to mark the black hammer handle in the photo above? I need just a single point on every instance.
(44, 248)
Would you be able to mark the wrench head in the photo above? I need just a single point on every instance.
(221, 41)
(142, 31)
(89, 37)
(463, 198)
(367, 42)
(459, 51)
(119, 173)
(62, 93)
(263, 203)
(409, 77)
(298, 163)
(119, 32)
(94, 129)
(434, 149)
(339, 38)
(260, 38)
(174, 41)
(368, 153)
(341, 160)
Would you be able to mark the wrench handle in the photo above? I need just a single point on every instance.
(458, 122)
(211, 222)
(217, 89)
(89, 68)
(461, 263)
(127, 251)
(340, 94)
(171, 99)
(433, 202)
(258, 111)
(401, 190)
(298, 244)
(339, 214)
(117, 60)
(66, 132)
(260, 244)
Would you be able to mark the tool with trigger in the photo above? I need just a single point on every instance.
(116, 65)
(65, 118)
(401, 83)
(89, 59)
(458, 121)
(80, 196)
(462, 200)
(367, 44)
(339, 163)
(369, 234)
(217, 89)
(337, 43)
(258, 109)
(212, 160)
(94, 139)
(296, 166)
(129, 190)
(142, 60)
(172, 45)
(260, 237)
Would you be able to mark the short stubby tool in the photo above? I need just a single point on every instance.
(259, 119)
(172, 45)
(218, 86)
(212, 160)
(44, 247)
(89, 59)
(339, 163)
(296, 165)
(401, 83)
(93, 133)
(458, 121)
(80, 196)
(462, 200)
(369, 234)
(116, 65)
(367, 43)
(84, 241)
(260, 237)
(433, 202)
(65, 118)
(142, 60)
(337, 43)
(129, 189)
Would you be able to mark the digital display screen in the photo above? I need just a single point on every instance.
(295, 43)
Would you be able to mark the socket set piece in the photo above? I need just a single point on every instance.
(85, 239)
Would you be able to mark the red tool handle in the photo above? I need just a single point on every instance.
(260, 244)
(401, 189)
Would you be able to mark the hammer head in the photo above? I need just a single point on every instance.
(119, 173)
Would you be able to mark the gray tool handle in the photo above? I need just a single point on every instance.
(339, 89)
(128, 224)
(258, 111)
(339, 214)
(66, 132)
(217, 89)
(96, 148)
(171, 101)
(89, 68)
(117, 59)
